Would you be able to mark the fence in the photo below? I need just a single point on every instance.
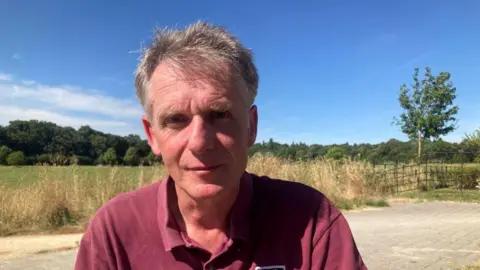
(428, 173)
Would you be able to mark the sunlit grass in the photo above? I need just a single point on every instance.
(43, 198)
(446, 194)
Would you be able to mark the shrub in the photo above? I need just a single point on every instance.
(81, 160)
(464, 178)
(30, 160)
(59, 160)
(44, 159)
(16, 158)
(4, 152)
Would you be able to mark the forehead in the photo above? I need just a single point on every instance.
(170, 85)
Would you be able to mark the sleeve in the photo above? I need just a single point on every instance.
(336, 248)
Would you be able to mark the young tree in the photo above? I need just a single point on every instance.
(109, 157)
(472, 144)
(152, 159)
(336, 152)
(428, 110)
(132, 157)
(473, 137)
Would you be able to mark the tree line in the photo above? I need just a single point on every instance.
(391, 151)
(33, 142)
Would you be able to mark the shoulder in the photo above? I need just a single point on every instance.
(132, 199)
(105, 242)
(289, 197)
(124, 210)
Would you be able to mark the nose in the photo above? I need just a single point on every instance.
(202, 136)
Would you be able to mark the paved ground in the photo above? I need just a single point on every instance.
(418, 236)
(405, 236)
(19, 246)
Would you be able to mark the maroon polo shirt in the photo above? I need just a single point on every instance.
(273, 223)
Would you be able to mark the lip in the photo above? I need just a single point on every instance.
(203, 168)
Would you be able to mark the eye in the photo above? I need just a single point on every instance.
(175, 120)
(220, 115)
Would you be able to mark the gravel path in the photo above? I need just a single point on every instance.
(436, 235)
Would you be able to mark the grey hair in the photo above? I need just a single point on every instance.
(200, 51)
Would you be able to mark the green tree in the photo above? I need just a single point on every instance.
(428, 110)
(132, 157)
(30, 137)
(3, 135)
(153, 159)
(336, 152)
(109, 157)
(471, 145)
(99, 144)
(16, 158)
(4, 152)
(44, 159)
(474, 137)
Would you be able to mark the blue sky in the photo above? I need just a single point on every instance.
(329, 70)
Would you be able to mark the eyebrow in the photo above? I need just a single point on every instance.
(175, 109)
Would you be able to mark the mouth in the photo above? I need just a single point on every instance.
(203, 168)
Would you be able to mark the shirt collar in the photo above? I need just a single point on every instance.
(239, 215)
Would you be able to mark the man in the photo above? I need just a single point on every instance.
(198, 87)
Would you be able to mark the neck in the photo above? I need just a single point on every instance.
(206, 214)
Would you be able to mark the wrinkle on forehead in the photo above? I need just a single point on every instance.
(167, 80)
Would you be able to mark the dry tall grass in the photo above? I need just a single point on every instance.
(50, 202)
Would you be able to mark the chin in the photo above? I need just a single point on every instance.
(205, 191)
(208, 185)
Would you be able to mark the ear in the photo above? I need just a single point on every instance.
(150, 133)
(253, 125)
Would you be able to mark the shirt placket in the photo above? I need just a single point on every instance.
(210, 265)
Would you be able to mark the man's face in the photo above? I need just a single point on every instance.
(202, 131)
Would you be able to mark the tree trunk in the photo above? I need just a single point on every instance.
(419, 145)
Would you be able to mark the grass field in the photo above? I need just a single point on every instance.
(45, 198)
(40, 198)
(447, 194)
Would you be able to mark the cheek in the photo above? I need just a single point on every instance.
(171, 145)
(227, 141)
(233, 137)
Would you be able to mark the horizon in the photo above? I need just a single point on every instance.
(414, 141)
(73, 64)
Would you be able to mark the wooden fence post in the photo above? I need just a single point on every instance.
(418, 178)
(426, 171)
(396, 174)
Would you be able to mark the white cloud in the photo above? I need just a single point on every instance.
(71, 99)
(8, 113)
(28, 82)
(5, 77)
(67, 106)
